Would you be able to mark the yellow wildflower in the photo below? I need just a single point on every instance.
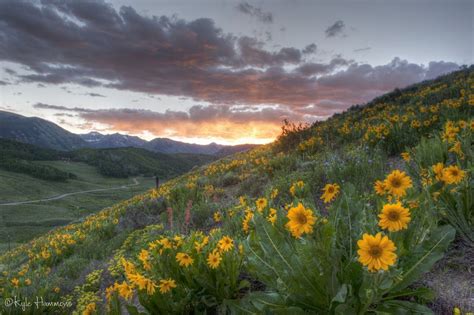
(166, 285)
(376, 252)
(184, 259)
(330, 192)
(301, 220)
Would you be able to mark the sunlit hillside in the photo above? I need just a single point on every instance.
(368, 212)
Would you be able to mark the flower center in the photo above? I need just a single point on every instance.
(301, 218)
(454, 173)
(396, 182)
(375, 251)
(330, 190)
(393, 216)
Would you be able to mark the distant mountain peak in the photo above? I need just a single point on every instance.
(46, 134)
(38, 131)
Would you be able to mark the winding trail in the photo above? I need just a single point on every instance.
(69, 194)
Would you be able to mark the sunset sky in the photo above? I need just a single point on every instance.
(218, 71)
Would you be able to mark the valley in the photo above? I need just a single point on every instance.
(43, 186)
(89, 192)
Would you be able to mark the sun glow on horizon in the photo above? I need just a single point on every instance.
(263, 134)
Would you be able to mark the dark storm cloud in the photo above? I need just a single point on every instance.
(361, 82)
(336, 90)
(247, 8)
(336, 29)
(92, 44)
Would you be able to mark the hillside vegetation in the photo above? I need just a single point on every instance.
(23, 222)
(116, 162)
(18, 157)
(343, 217)
(124, 162)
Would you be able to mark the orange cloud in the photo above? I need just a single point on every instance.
(219, 131)
(219, 123)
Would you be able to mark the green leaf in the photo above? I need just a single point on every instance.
(402, 308)
(341, 294)
(423, 257)
(262, 303)
(386, 283)
(420, 293)
(344, 309)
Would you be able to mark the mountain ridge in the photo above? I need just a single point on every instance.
(46, 134)
(38, 131)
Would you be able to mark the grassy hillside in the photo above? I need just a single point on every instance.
(17, 157)
(344, 217)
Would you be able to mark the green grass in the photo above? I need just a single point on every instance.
(21, 223)
(19, 187)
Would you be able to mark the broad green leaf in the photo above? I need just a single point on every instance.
(341, 294)
(425, 256)
(402, 308)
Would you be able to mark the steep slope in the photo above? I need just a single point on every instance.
(37, 131)
(293, 227)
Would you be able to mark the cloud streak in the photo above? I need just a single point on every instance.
(362, 49)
